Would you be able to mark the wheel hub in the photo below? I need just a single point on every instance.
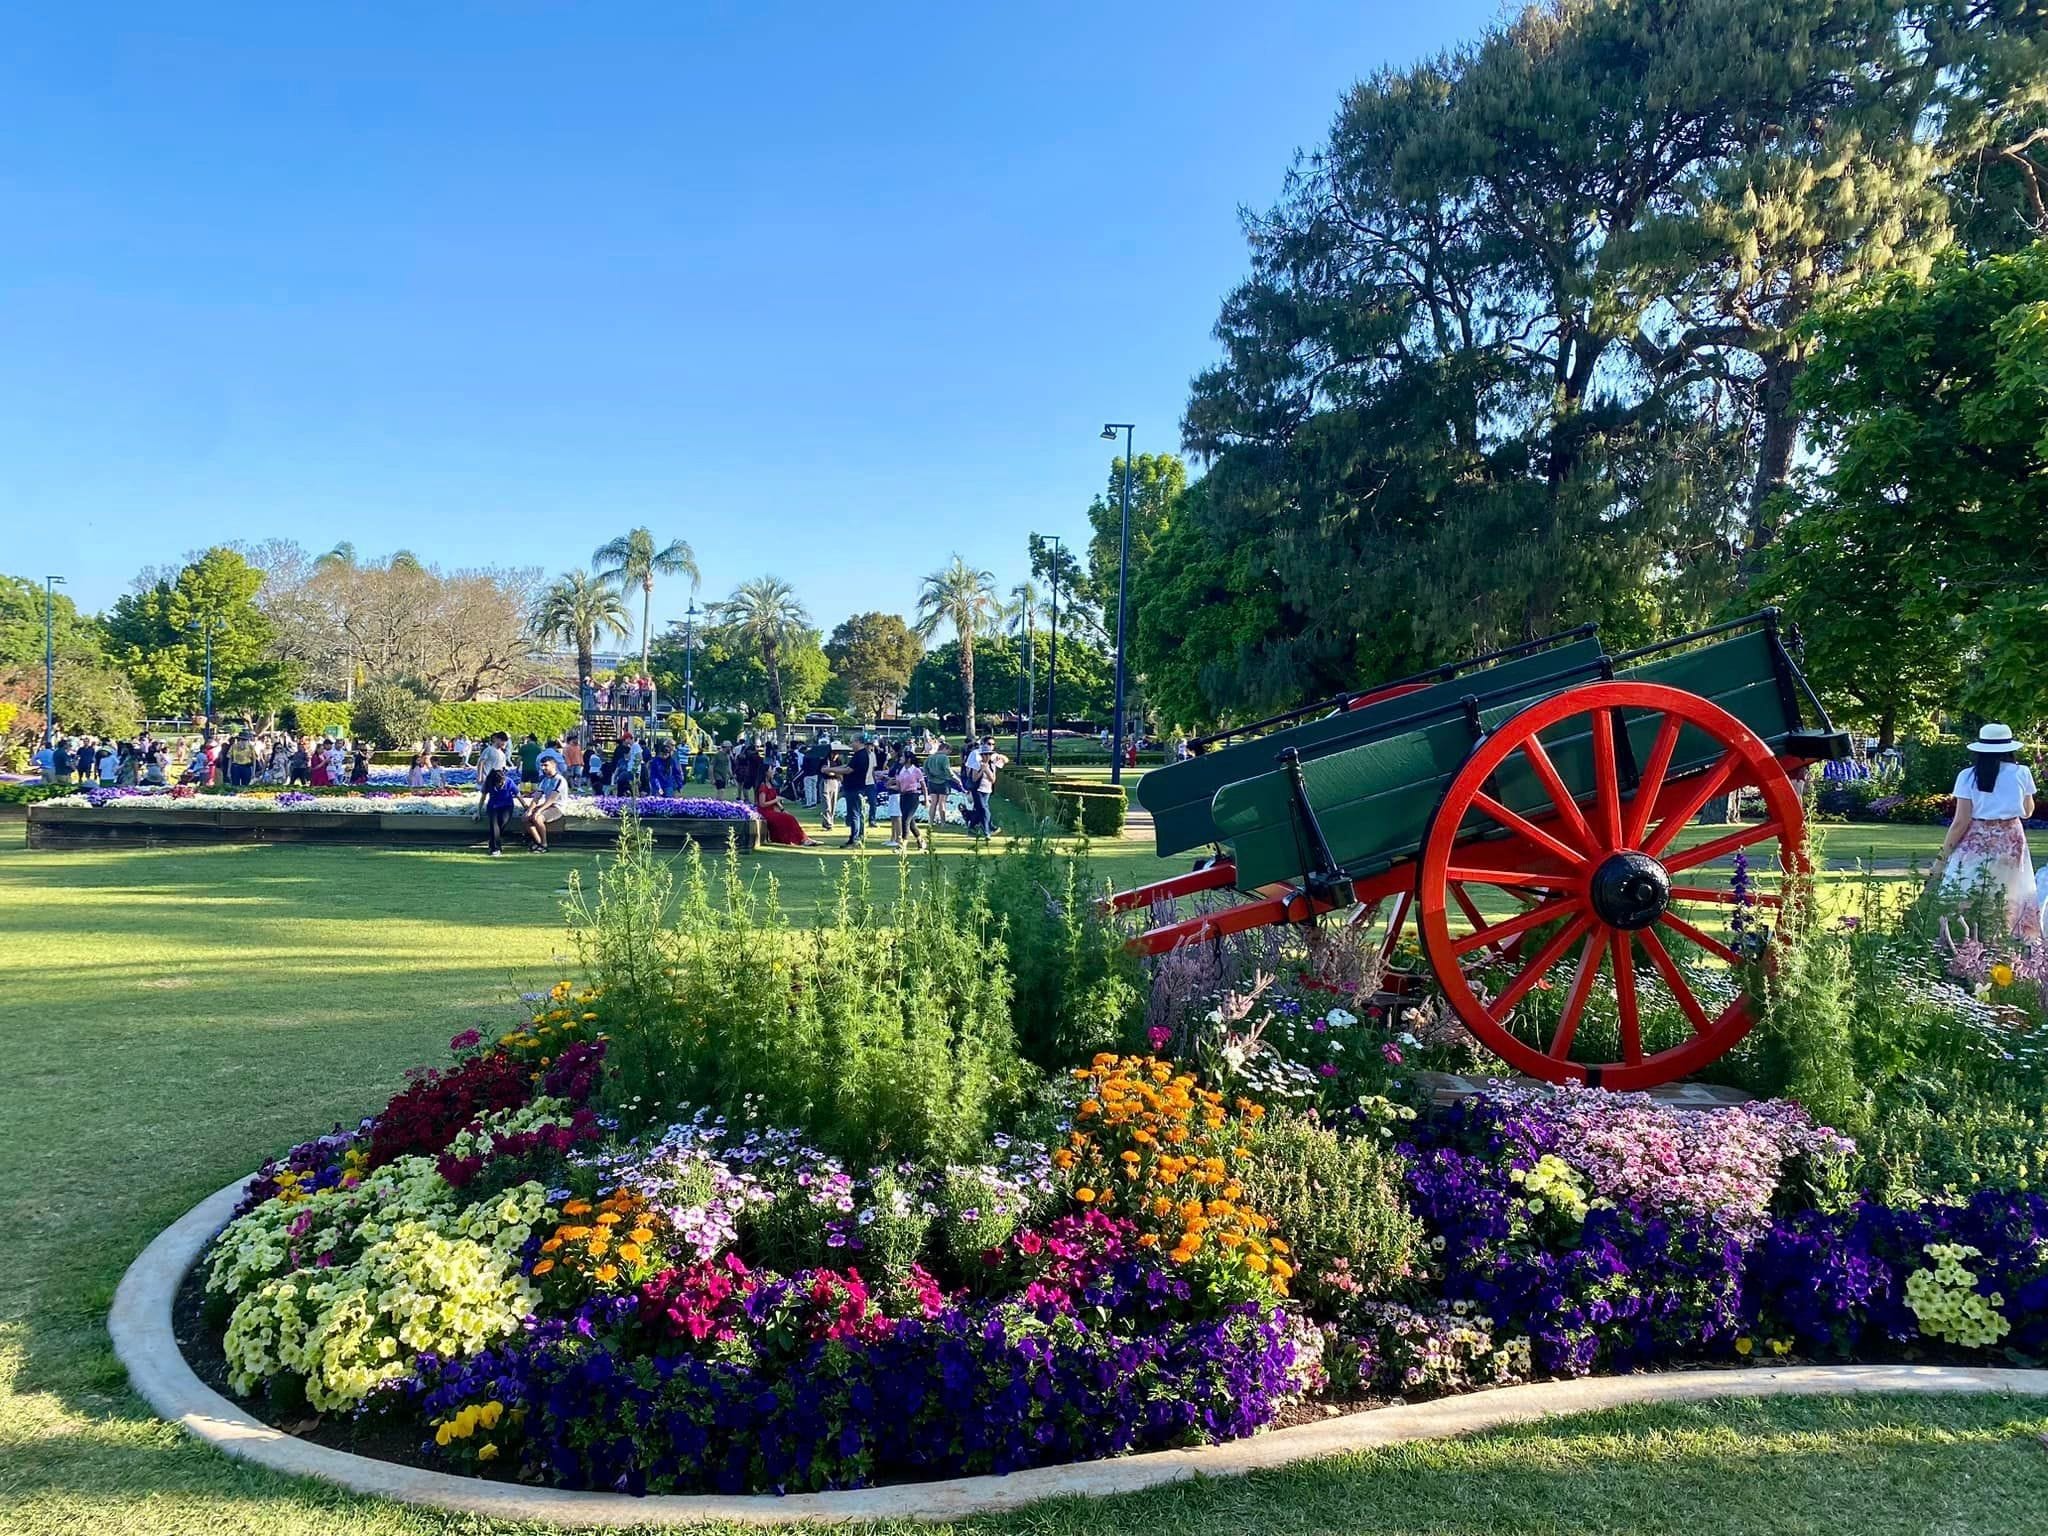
(1630, 891)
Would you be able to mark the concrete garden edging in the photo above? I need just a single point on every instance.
(140, 1323)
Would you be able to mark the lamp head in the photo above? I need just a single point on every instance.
(1109, 434)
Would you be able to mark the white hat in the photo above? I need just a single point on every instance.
(1994, 738)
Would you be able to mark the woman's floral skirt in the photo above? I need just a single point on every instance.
(1995, 853)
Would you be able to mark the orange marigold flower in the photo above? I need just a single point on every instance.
(543, 1266)
(1085, 1195)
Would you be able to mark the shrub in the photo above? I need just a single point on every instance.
(629, 953)
(316, 716)
(1337, 1201)
(1806, 1049)
(391, 714)
(885, 1031)
(1077, 991)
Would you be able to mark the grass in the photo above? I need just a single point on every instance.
(173, 1016)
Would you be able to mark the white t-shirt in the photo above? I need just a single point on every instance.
(2015, 781)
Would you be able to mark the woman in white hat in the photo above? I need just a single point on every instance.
(1987, 841)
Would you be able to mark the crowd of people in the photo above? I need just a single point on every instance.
(240, 760)
(911, 785)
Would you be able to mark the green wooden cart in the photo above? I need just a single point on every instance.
(1550, 781)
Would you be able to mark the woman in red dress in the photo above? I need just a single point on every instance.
(782, 827)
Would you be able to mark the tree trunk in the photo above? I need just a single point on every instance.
(1887, 727)
(967, 674)
(1774, 459)
(768, 654)
(646, 613)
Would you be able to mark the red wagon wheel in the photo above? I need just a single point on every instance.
(1604, 873)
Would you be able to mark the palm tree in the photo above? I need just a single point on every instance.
(633, 558)
(965, 600)
(766, 611)
(577, 608)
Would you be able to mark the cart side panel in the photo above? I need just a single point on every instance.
(1372, 802)
(1180, 795)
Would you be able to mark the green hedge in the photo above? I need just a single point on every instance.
(1071, 805)
(1932, 764)
(543, 717)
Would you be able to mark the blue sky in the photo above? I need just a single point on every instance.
(830, 292)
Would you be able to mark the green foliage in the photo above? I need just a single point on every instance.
(872, 656)
(1086, 678)
(1337, 1201)
(1915, 564)
(1806, 1026)
(633, 560)
(157, 638)
(629, 953)
(1158, 481)
(1518, 345)
(579, 609)
(884, 1031)
(317, 716)
(1931, 1141)
(766, 623)
(1077, 991)
(963, 599)
(391, 714)
(549, 719)
(76, 636)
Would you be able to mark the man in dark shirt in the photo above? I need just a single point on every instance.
(860, 768)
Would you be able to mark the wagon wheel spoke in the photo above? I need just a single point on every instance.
(1569, 855)
(1509, 879)
(1507, 928)
(1553, 785)
(1705, 853)
(1625, 996)
(1711, 783)
(1706, 941)
(1467, 905)
(1591, 953)
(1689, 1005)
(1606, 778)
(1546, 957)
(1644, 803)
(1725, 898)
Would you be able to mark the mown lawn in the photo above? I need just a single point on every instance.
(172, 1016)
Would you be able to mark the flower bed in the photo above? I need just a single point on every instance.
(531, 1291)
(612, 1248)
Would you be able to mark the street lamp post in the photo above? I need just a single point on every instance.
(50, 586)
(1123, 571)
(1052, 660)
(209, 626)
(689, 659)
(1027, 685)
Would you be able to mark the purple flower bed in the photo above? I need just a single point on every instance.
(666, 805)
(969, 1388)
(1643, 1280)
